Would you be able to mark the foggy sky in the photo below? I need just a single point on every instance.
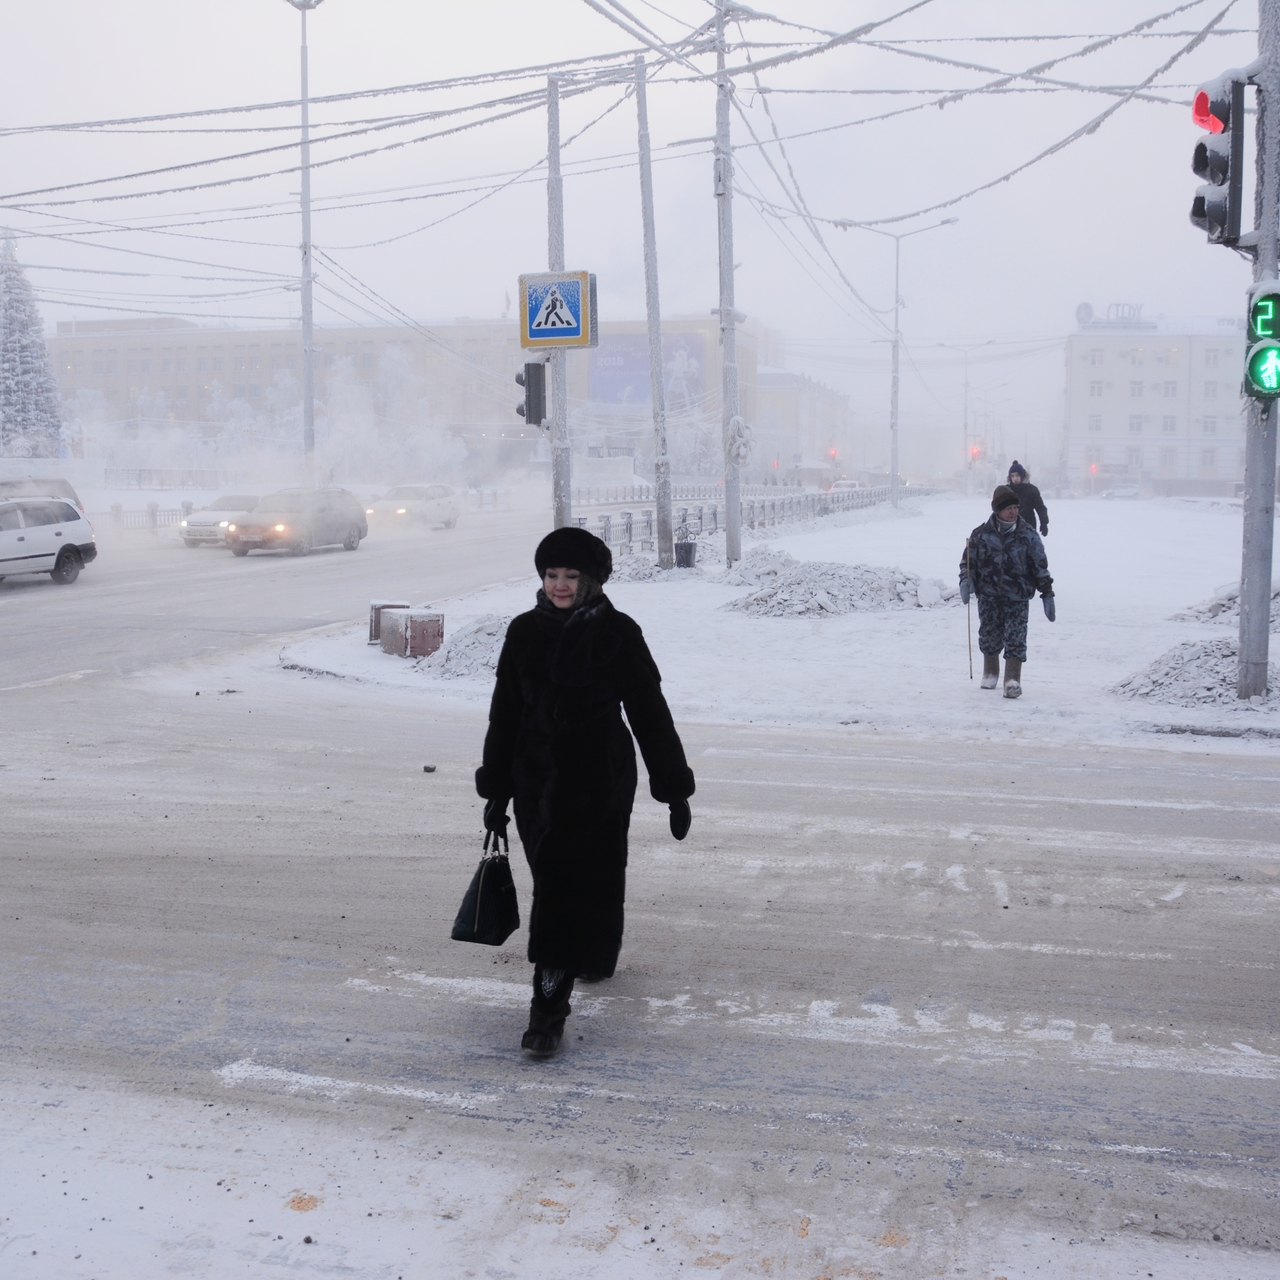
(1104, 221)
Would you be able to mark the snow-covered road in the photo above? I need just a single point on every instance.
(914, 998)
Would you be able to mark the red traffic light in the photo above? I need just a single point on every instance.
(1203, 115)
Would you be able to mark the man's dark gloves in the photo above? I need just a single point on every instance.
(1050, 611)
(495, 816)
(681, 819)
(965, 590)
(1044, 530)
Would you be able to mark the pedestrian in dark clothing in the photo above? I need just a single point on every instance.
(1030, 503)
(557, 745)
(1004, 565)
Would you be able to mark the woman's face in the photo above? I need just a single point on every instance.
(561, 586)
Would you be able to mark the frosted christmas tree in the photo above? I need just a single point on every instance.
(30, 421)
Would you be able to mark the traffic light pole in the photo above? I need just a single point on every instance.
(657, 387)
(1260, 449)
(561, 461)
(729, 414)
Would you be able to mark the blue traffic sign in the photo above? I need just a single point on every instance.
(558, 309)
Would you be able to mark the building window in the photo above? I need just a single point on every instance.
(1168, 459)
(1169, 425)
(1135, 424)
(370, 360)
(202, 364)
(1170, 390)
(111, 367)
(1209, 460)
(133, 368)
(146, 366)
(1171, 357)
(217, 364)
(240, 391)
(1133, 459)
(1135, 356)
(180, 395)
(1135, 389)
(1095, 422)
(255, 362)
(291, 362)
(166, 366)
(1095, 388)
(1210, 390)
(239, 364)
(255, 391)
(1209, 426)
(1095, 357)
(1210, 359)
(180, 365)
(98, 367)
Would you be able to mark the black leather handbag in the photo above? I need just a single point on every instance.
(489, 913)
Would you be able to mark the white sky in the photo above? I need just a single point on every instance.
(1104, 221)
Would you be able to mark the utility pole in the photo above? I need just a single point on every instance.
(308, 337)
(731, 428)
(968, 484)
(561, 461)
(657, 388)
(1260, 447)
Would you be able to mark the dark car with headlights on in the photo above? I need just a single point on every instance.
(298, 519)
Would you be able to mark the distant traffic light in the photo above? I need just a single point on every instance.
(1219, 159)
(533, 379)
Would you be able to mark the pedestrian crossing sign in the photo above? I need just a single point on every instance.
(558, 309)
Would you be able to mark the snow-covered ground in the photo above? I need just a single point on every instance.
(1122, 570)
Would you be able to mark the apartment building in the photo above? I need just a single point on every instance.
(1155, 403)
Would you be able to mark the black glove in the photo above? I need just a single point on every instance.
(495, 816)
(1050, 611)
(966, 590)
(1044, 530)
(681, 819)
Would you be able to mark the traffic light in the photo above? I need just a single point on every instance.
(1262, 364)
(533, 409)
(1219, 159)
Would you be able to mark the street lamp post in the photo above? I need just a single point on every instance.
(898, 238)
(972, 346)
(308, 342)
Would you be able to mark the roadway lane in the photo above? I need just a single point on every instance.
(148, 600)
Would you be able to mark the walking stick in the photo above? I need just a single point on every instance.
(968, 604)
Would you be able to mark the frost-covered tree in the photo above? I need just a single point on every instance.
(30, 421)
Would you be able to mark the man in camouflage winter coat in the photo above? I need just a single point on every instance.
(1004, 565)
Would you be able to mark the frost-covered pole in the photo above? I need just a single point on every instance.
(308, 341)
(729, 414)
(893, 384)
(657, 389)
(561, 461)
(1260, 447)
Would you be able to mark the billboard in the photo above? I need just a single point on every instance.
(619, 371)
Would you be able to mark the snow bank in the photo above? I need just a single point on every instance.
(471, 651)
(786, 587)
(1195, 674)
(645, 569)
(1225, 607)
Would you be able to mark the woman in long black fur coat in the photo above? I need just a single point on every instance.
(558, 746)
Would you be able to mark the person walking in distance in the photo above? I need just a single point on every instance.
(557, 745)
(1004, 565)
(1030, 503)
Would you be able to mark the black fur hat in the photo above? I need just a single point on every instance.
(1004, 496)
(571, 548)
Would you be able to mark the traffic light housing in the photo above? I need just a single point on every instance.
(533, 378)
(1262, 364)
(1218, 107)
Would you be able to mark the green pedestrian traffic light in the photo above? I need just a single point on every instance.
(1262, 370)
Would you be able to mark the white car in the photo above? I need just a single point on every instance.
(208, 526)
(44, 535)
(407, 504)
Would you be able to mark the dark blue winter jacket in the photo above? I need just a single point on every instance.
(1010, 565)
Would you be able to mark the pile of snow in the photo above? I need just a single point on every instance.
(1196, 674)
(790, 588)
(644, 568)
(1225, 607)
(471, 651)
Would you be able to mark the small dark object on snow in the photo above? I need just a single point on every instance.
(307, 1240)
(428, 768)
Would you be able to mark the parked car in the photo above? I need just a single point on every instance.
(34, 487)
(208, 526)
(843, 486)
(297, 520)
(1123, 491)
(424, 504)
(44, 535)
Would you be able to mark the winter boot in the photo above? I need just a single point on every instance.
(1013, 677)
(990, 670)
(547, 1011)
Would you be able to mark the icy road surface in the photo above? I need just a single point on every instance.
(907, 1002)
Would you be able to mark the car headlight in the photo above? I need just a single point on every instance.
(279, 528)
(231, 528)
(368, 511)
(184, 524)
(400, 511)
(222, 524)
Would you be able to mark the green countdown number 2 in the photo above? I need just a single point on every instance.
(1264, 318)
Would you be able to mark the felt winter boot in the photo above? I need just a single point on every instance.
(1013, 677)
(990, 670)
(547, 1011)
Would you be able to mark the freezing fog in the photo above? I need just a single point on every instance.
(964, 966)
